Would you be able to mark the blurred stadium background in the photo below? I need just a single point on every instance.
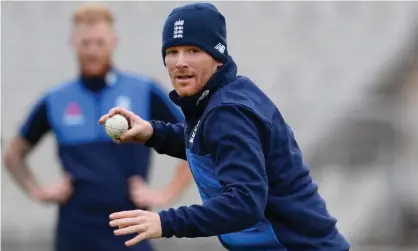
(344, 74)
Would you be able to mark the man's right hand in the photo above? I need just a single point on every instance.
(57, 193)
(139, 130)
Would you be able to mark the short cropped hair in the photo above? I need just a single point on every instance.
(92, 13)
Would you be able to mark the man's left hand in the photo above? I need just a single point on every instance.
(143, 196)
(146, 224)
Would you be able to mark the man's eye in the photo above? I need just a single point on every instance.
(85, 43)
(194, 50)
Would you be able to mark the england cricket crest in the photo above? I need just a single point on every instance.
(178, 29)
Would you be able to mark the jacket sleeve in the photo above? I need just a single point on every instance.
(234, 136)
(168, 139)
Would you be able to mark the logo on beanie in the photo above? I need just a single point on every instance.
(178, 29)
(220, 47)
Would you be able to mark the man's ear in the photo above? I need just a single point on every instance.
(219, 64)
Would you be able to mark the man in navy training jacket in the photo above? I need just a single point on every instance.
(257, 193)
(102, 177)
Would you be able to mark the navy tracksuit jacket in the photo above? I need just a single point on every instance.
(257, 192)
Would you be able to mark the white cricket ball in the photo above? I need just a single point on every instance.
(116, 125)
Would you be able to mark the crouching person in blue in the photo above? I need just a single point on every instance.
(257, 192)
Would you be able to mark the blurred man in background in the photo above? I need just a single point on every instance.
(100, 176)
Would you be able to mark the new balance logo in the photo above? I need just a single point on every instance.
(194, 132)
(178, 29)
(220, 47)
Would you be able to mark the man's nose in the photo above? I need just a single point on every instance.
(181, 61)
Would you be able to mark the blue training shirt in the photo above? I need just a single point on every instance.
(100, 168)
(257, 192)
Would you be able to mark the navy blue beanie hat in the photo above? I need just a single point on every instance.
(197, 24)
